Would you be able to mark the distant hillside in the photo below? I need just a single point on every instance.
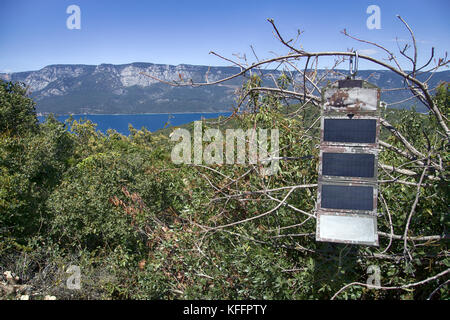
(107, 88)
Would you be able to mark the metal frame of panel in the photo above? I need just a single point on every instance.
(351, 184)
(340, 214)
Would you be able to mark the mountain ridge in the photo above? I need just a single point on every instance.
(122, 89)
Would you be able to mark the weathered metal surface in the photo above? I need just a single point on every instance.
(351, 100)
(374, 197)
(347, 228)
(363, 98)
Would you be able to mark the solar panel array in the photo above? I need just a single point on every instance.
(348, 190)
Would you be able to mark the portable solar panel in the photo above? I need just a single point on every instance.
(348, 197)
(360, 165)
(347, 189)
(350, 130)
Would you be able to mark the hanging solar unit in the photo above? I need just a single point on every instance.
(347, 189)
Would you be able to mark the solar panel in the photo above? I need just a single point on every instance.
(349, 83)
(347, 197)
(350, 130)
(347, 191)
(361, 165)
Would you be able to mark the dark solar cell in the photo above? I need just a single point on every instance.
(348, 164)
(350, 83)
(347, 197)
(350, 130)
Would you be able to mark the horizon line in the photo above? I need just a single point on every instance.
(172, 65)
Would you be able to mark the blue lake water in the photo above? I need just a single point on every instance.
(151, 122)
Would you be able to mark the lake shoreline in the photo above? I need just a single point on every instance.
(127, 114)
(151, 121)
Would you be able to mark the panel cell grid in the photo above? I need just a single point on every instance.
(361, 165)
(350, 130)
(347, 197)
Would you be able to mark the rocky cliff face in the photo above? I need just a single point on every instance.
(108, 88)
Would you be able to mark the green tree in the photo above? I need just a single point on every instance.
(17, 112)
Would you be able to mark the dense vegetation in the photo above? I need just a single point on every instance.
(138, 225)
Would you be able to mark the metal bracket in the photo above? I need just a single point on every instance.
(353, 65)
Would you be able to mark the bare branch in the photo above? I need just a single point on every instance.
(414, 61)
(406, 286)
(413, 209)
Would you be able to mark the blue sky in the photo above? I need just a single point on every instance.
(33, 33)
